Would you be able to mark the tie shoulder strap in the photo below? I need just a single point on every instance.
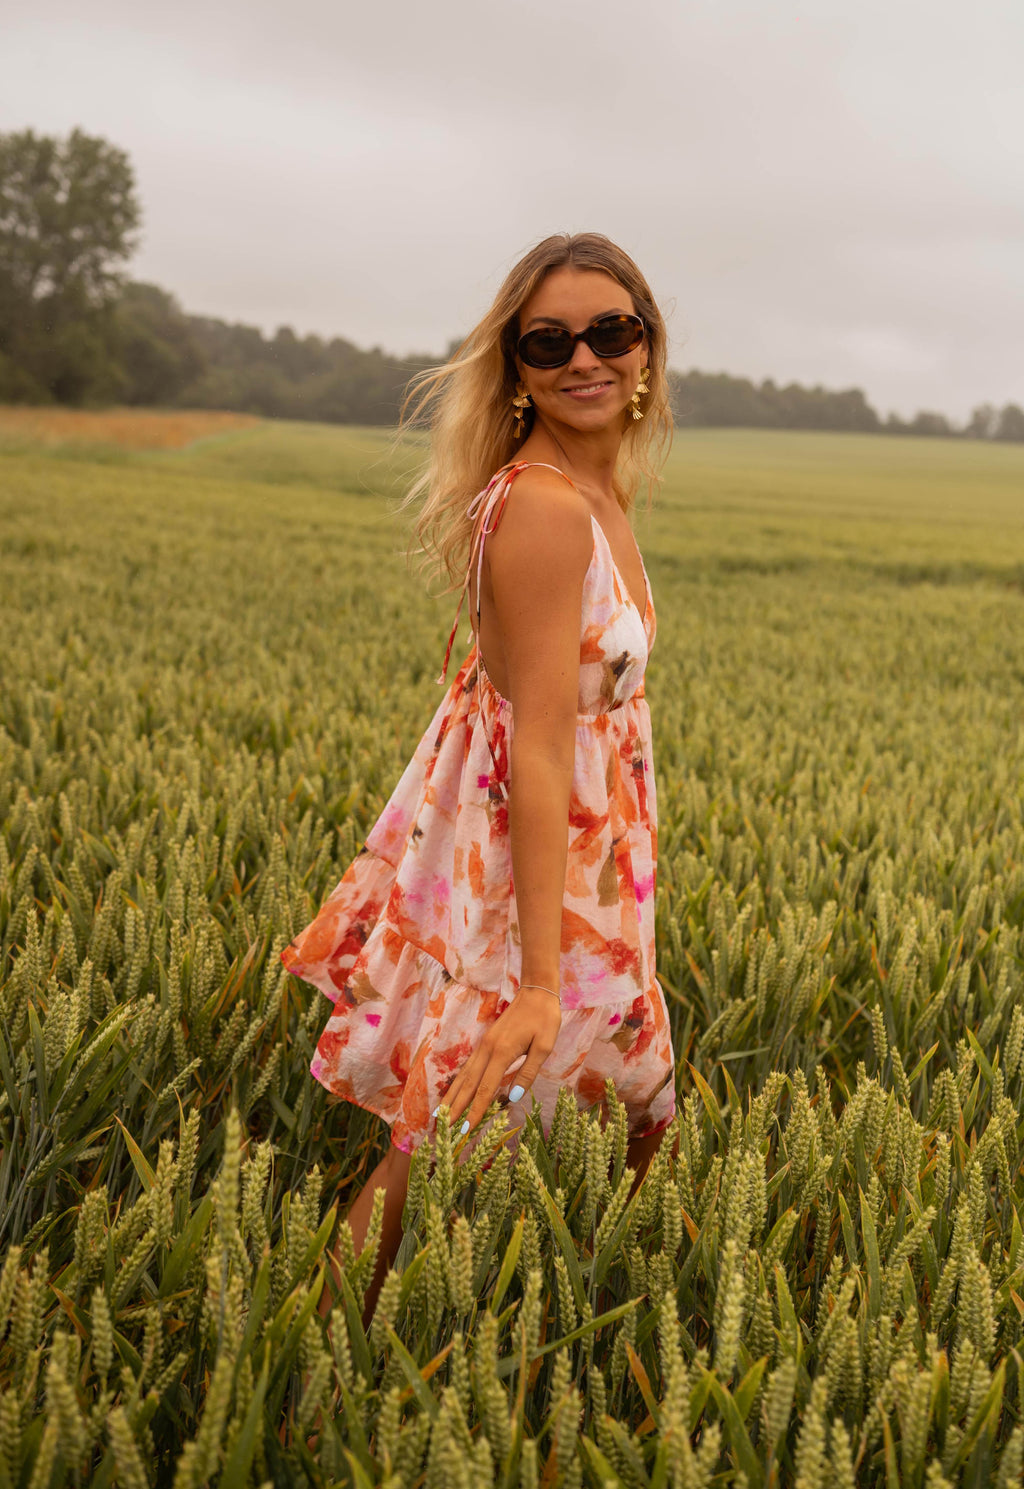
(485, 512)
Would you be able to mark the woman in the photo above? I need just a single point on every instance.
(495, 937)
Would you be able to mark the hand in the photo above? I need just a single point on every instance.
(526, 1030)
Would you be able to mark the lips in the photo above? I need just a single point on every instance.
(586, 390)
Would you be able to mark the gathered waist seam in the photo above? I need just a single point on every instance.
(503, 703)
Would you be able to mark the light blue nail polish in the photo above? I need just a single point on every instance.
(517, 1092)
(435, 1111)
(464, 1128)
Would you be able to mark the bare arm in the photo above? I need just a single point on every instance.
(537, 561)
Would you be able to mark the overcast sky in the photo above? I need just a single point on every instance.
(829, 191)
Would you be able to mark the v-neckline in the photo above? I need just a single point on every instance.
(642, 615)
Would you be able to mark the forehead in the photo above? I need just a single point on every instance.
(575, 296)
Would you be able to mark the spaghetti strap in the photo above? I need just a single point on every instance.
(481, 510)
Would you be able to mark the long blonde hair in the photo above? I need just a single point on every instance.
(467, 405)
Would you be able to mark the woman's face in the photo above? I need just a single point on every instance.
(589, 392)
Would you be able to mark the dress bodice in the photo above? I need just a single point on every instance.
(615, 639)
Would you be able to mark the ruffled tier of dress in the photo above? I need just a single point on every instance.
(403, 1025)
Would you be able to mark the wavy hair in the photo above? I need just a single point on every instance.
(466, 402)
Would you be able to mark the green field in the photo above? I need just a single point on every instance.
(213, 665)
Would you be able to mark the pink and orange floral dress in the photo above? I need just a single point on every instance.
(418, 945)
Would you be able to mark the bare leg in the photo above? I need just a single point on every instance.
(639, 1153)
(391, 1175)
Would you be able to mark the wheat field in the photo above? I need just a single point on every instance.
(214, 662)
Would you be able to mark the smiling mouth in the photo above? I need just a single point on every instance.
(587, 388)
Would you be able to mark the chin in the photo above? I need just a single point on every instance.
(588, 420)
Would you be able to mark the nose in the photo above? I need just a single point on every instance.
(582, 359)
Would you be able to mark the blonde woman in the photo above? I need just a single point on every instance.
(495, 937)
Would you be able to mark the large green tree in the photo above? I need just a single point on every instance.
(68, 219)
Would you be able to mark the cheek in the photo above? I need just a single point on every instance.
(543, 385)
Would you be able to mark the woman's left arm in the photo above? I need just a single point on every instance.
(538, 562)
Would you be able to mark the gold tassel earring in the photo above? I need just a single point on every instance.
(641, 392)
(520, 403)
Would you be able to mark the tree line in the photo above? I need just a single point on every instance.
(75, 330)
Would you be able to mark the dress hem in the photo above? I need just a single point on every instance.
(390, 1121)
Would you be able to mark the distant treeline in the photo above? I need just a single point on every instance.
(163, 356)
(716, 399)
(199, 362)
(145, 350)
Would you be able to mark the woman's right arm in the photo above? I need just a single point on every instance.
(538, 560)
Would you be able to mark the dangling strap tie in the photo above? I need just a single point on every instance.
(485, 502)
(439, 679)
(473, 511)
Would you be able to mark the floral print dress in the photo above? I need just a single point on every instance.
(418, 945)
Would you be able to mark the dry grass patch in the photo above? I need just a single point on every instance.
(130, 428)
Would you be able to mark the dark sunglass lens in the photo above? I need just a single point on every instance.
(546, 348)
(615, 336)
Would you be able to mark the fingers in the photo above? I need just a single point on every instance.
(476, 1085)
(519, 1041)
(529, 1073)
(462, 1088)
(474, 1090)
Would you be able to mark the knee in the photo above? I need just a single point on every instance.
(396, 1163)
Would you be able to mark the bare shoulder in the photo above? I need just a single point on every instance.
(545, 520)
(537, 569)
